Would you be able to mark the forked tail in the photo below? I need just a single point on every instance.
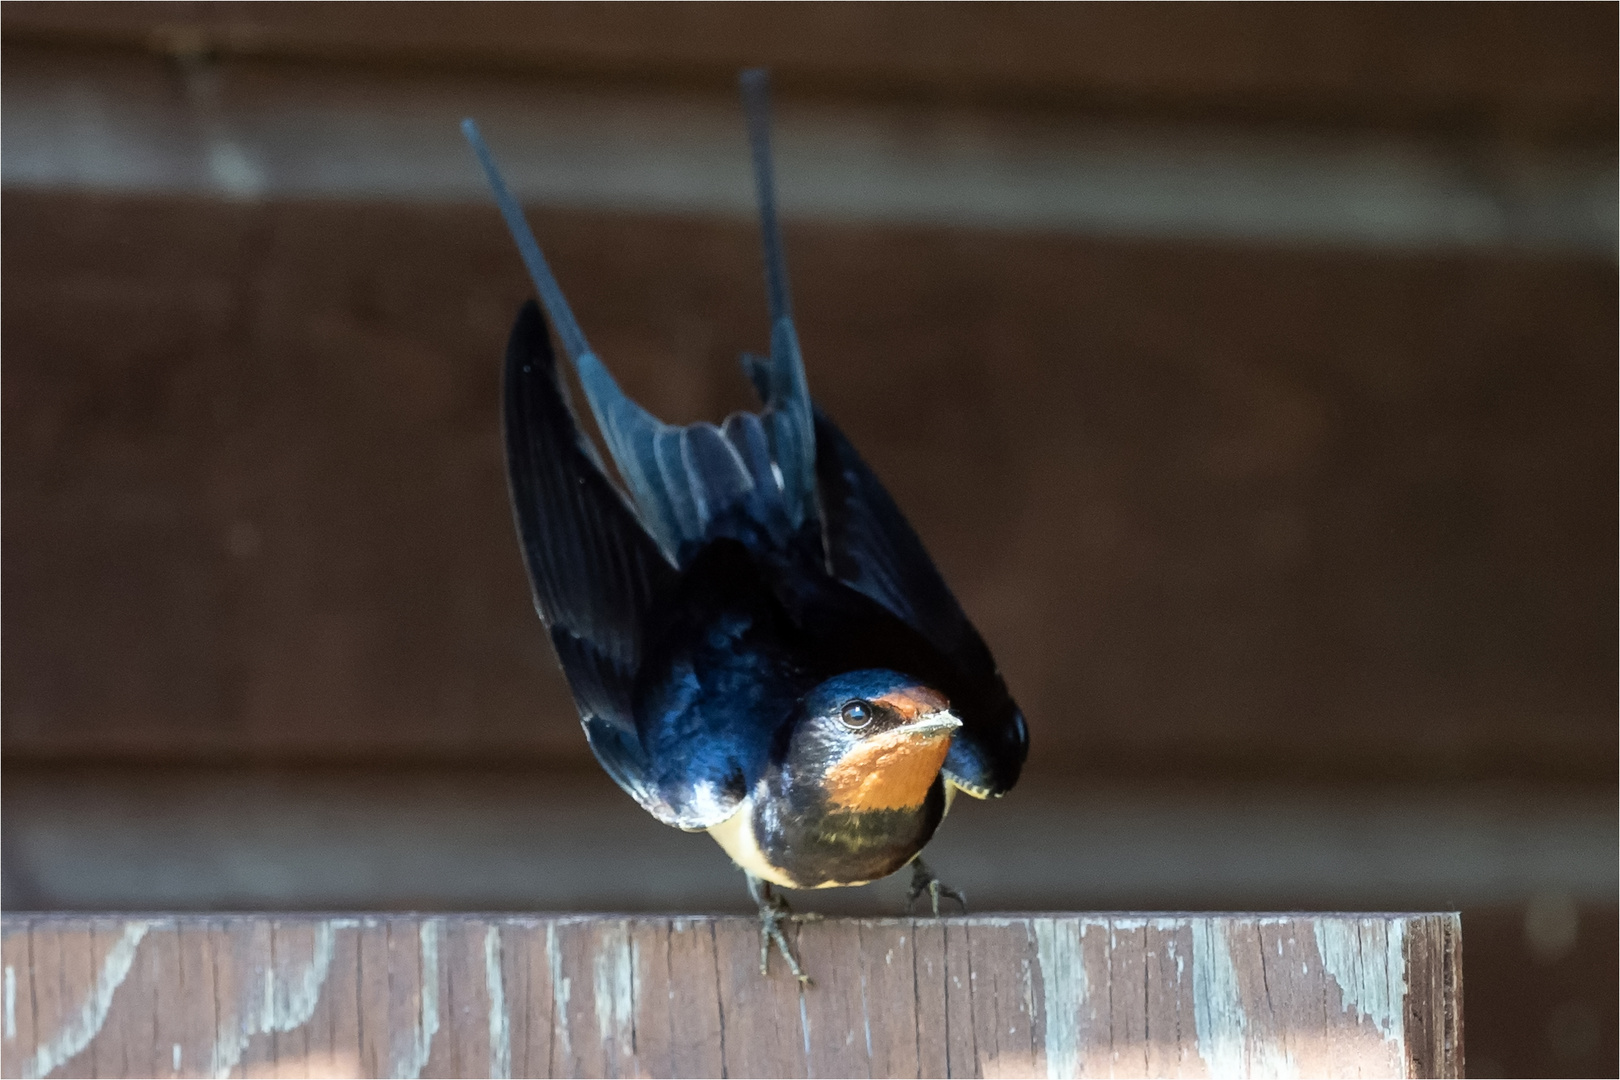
(683, 479)
(785, 389)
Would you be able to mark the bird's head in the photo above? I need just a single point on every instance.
(872, 740)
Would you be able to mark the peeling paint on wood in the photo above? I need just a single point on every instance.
(1053, 996)
(1222, 1024)
(1063, 975)
(281, 999)
(613, 989)
(82, 1025)
(562, 991)
(413, 1044)
(1364, 957)
(500, 1024)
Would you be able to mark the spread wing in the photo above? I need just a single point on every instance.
(635, 637)
(594, 570)
(597, 564)
(872, 548)
(598, 561)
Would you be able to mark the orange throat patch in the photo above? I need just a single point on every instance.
(890, 772)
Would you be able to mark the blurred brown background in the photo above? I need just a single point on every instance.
(1257, 370)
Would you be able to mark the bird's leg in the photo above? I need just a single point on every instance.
(772, 911)
(924, 881)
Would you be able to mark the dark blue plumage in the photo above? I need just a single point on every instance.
(758, 643)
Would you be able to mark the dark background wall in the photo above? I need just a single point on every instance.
(1291, 523)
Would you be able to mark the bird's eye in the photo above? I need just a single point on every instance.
(857, 713)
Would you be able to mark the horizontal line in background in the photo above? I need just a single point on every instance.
(250, 130)
(208, 839)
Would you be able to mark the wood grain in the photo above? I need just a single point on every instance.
(983, 996)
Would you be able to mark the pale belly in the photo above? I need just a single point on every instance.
(735, 835)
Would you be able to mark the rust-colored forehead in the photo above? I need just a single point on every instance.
(914, 701)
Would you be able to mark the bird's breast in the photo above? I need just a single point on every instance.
(802, 841)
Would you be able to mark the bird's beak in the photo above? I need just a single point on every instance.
(932, 726)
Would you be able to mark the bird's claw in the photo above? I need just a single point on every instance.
(924, 881)
(773, 910)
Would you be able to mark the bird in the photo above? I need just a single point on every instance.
(757, 642)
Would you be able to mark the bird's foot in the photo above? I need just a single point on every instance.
(924, 881)
(773, 911)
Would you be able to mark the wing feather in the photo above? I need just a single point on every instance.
(594, 571)
(872, 548)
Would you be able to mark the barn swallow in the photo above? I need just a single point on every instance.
(758, 644)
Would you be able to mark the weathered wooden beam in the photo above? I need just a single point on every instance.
(466, 995)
